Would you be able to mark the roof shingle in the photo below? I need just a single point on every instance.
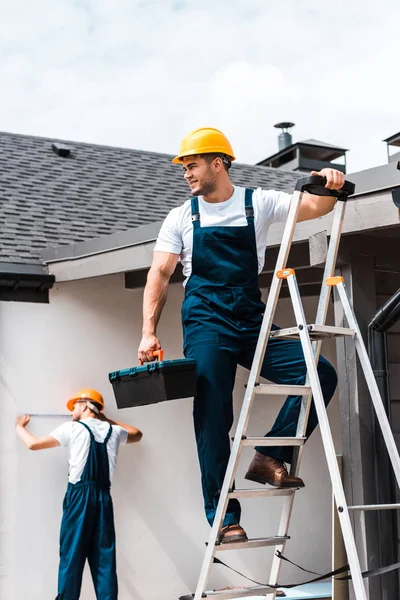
(47, 200)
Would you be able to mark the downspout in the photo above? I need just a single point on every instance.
(385, 485)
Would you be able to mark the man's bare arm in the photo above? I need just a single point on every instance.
(313, 206)
(31, 441)
(154, 298)
(134, 434)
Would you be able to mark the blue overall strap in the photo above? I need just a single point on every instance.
(109, 432)
(195, 213)
(97, 468)
(88, 428)
(248, 206)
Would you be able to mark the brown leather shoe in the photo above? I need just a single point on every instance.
(231, 534)
(265, 469)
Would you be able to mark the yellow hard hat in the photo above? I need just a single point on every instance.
(204, 140)
(86, 394)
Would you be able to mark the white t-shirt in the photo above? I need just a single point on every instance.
(76, 438)
(176, 233)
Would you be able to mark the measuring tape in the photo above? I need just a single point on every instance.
(49, 415)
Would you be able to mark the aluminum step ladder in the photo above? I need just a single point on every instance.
(310, 337)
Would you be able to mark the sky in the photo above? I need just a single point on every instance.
(141, 74)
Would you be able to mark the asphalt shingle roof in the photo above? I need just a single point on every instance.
(47, 200)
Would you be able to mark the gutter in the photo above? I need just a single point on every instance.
(25, 283)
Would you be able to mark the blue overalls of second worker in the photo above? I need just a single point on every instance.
(87, 528)
(221, 315)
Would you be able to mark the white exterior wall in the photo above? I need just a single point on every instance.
(92, 327)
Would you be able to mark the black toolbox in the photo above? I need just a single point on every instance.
(154, 382)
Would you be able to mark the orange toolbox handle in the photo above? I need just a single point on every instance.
(158, 355)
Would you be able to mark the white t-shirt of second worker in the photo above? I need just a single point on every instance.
(176, 233)
(76, 438)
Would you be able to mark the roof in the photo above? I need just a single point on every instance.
(393, 140)
(316, 149)
(48, 200)
(312, 142)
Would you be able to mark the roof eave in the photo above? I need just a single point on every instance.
(277, 154)
(392, 138)
(116, 241)
(336, 152)
(25, 282)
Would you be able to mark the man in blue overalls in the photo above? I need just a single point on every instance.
(220, 236)
(87, 527)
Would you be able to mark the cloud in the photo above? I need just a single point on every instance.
(141, 74)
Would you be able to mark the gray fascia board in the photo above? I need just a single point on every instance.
(22, 269)
(107, 243)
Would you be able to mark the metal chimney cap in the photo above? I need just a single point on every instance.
(284, 125)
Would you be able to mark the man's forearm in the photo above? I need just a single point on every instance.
(25, 436)
(134, 434)
(133, 431)
(325, 204)
(313, 206)
(154, 298)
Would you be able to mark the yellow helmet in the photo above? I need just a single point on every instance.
(86, 394)
(204, 140)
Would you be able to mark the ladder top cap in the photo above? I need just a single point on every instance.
(285, 273)
(331, 281)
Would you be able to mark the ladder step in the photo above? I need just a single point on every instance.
(255, 543)
(316, 332)
(375, 507)
(273, 441)
(253, 493)
(275, 389)
(239, 592)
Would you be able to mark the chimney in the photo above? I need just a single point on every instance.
(393, 143)
(284, 138)
(306, 156)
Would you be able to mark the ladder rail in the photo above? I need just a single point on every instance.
(331, 258)
(327, 440)
(286, 515)
(244, 416)
(322, 311)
